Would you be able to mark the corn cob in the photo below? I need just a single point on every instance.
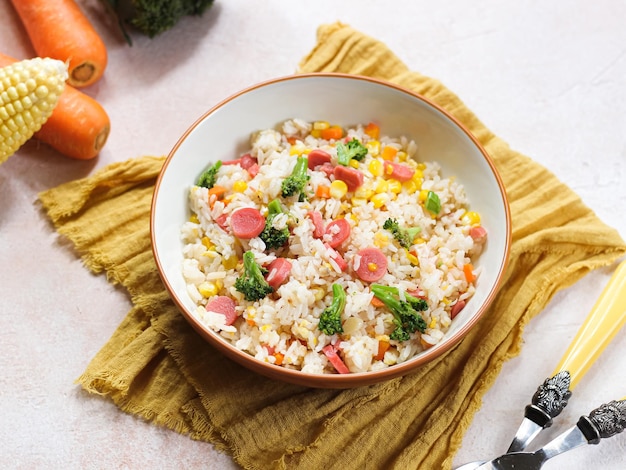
(29, 91)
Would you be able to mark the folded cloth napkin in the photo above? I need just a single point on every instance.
(155, 366)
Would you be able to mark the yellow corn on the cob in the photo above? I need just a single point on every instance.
(29, 91)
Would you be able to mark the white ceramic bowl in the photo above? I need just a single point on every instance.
(225, 131)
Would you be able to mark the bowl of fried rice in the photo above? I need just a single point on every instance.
(330, 230)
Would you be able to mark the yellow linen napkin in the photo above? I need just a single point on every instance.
(157, 367)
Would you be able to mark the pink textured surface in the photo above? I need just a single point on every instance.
(546, 77)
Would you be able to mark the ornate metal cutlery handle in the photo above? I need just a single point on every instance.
(605, 421)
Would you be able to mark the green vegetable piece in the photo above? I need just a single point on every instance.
(152, 17)
(330, 319)
(404, 236)
(251, 283)
(295, 183)
(272, 237)
(407, 318)
(209, 176)
(354, 149)
(432, 202)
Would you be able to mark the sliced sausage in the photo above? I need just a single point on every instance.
(331, 353)
(253, 170)
(353, 178)
(222, 221)
(372, 265)
(318, 223)
(247, 161)
(223, 305)
(419, 293)
(478, 234)
(456, 308)
(247, 223)
(398, 171)
(318, 157)
(327, 168)
(277, 272)
(337, 232)
(336, 257)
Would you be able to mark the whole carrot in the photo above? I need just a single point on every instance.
(59, 29)
(78, 127)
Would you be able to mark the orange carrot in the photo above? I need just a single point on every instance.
(376, 302)
(322, 191)
(332, 132)
(279, 358)
(389, 152)
(382, 349)
(78, 127)
(372, 130)
(59, 29)
(468, 270)
(217, 191)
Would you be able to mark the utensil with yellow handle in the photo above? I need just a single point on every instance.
(605, 421)
(605, 319)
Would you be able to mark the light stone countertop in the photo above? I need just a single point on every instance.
(547, 77)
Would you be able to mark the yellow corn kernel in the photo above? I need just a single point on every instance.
(373, 147)
(208, 244)
(388, 152)
(381, 240)
(353, 163)
(421, 166)
(423, 195)
(418, 175)
(194, 218)
(395, 186)
(338, 189)
(418, 241)
(410, 186)
(296, 149)
(321, 125)
(413, 259)
(433, 323)
(230, 262)
(240, 186)
(319, 293)
(372, 267)
(363, 192)
(358, 201)
(401, 156)
(208, 289)
(250, 315)
(375, 167)
(382, 186)
(317, 133)
(379, 200)
(29, 92)
(471, 218)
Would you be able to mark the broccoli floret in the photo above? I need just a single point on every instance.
(354, 149)
(407, 318)
(403, 235)
(209, 176)
(330, 319)
(273, 237)
(251, 283)
(295, 183)
(152, 17)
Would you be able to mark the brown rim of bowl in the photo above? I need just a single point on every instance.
(338, 381)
